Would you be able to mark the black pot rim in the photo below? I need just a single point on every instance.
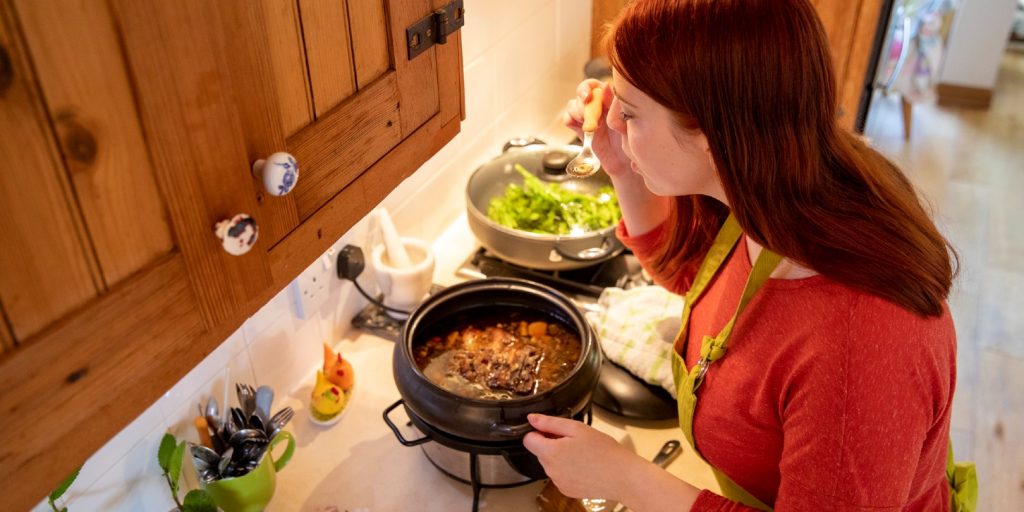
(492, 283)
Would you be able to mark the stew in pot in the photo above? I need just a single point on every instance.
(496, 357)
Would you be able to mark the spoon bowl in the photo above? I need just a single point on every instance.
(586, 163)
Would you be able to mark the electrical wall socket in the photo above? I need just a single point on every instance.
(312, 287)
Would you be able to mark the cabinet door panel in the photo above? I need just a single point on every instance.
(79, 65)
(449, 72)
(255, 97)
(195, 134)
(368, 22)
(288, 59)
(74, 387)
(417, 83)
(341, 145)
(349, 138)
(359, 196)
(46, 267)
(325, 30)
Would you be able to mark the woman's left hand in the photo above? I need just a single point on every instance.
(581, 461)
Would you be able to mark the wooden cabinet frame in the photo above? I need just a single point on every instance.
(69, 389)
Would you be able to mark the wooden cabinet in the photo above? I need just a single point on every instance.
(851, 27)
(128, 130)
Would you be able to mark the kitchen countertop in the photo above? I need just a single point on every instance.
(358, 464)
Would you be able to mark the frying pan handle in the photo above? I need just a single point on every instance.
(591, 254)
(401, 439)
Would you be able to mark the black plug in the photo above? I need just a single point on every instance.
(350, 262)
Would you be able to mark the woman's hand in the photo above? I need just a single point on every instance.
(581, 461)
(642, 211)
(607, 143)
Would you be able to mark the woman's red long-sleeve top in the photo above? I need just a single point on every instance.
(829, 398)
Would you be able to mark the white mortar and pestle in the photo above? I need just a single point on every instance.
(403, 266)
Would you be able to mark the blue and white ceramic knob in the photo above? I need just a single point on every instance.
(279, 173)
(237, 234)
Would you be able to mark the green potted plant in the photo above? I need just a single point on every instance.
(170, 457)
(60, 490)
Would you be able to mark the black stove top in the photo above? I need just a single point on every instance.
(621, 271)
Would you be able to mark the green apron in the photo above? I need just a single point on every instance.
(964, 486)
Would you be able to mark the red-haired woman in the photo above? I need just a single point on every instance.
(817, 360)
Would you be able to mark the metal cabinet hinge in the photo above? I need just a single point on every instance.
(434, 29)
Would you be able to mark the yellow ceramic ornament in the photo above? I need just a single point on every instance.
(327, 399)
(337, 369)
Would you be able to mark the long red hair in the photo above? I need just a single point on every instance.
(756, 77)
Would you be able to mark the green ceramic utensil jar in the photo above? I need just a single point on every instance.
(252, 492)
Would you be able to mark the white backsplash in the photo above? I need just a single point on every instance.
(522, 62)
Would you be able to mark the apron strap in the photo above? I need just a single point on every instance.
(725, 240)
(963, 483)
(728, 235)
(714, 348)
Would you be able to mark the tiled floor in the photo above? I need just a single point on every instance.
(969, 164)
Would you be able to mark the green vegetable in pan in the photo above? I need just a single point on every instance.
(549, 208)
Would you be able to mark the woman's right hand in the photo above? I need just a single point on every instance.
(642, 211)
(607, 143)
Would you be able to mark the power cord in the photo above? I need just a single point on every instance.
(351, 263)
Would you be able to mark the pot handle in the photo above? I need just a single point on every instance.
(401, 439)
(523, 428)
(591, 254)
(511, 430)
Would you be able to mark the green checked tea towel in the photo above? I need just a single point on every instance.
(636, 328)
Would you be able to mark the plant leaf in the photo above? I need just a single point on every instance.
(174, 468)
(198, 500)
(163, 456)
(63, 487)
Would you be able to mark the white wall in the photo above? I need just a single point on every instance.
(976, 42)
(522, 62)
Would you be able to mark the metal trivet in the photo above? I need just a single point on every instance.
(475, 482)
(473, 448)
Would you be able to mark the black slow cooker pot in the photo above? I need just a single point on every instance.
(465, 423)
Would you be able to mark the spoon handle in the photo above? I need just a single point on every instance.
(592, 110)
